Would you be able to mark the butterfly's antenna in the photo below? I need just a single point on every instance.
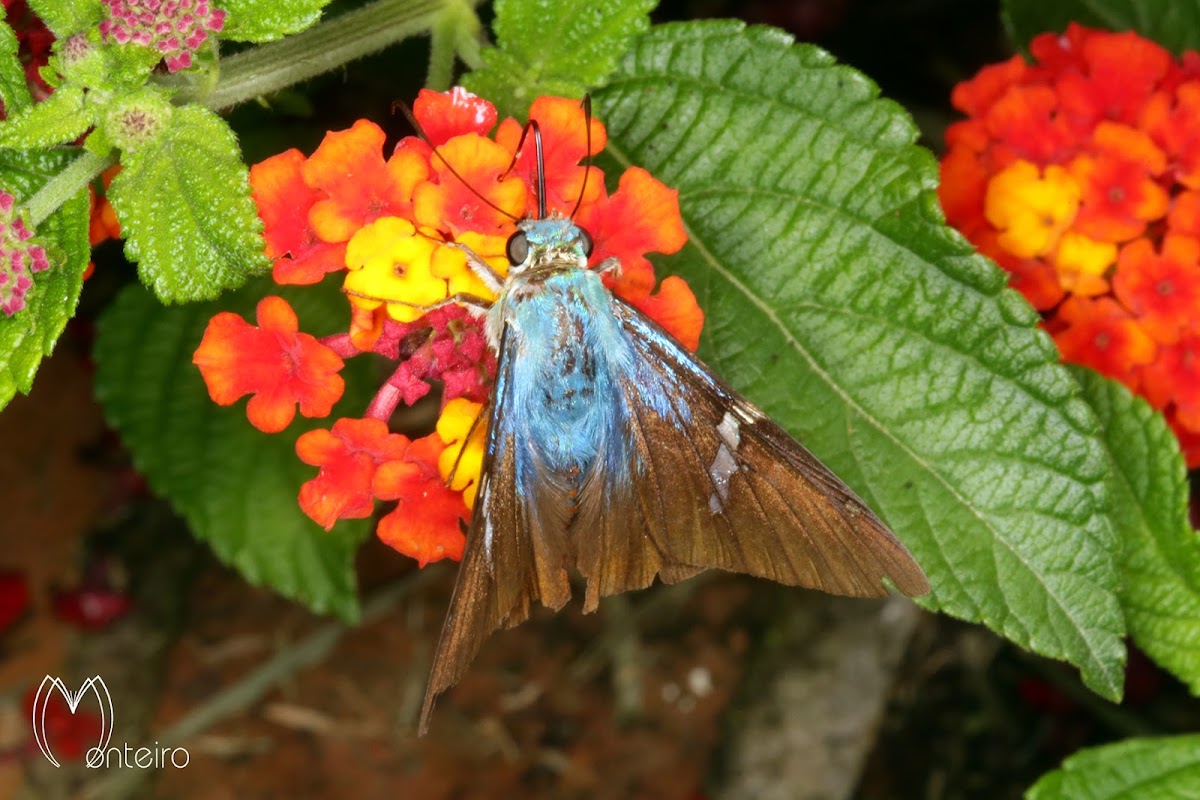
(412, 120)
(541, 164)
(587, 167)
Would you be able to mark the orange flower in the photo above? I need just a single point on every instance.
(480, 198)
(675, 308)
(1120, 194)
(284, 200)
(426, 523)
(565, 140)
(1163, 290)
(348, 457)
(1102, 335)
(1094, 145)
(642, 216)
(274, 362)
(361, 187)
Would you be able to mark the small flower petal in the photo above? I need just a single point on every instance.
(425, 524)
(275, 363)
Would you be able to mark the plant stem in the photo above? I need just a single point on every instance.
(65, 185)
(325, 47)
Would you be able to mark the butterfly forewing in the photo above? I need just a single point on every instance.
(721, 485)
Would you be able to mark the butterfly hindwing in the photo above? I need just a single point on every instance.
(510, 559)
(722, 486)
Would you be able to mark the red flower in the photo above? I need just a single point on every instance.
(348, 457)
(1119, 71)
(284, 200)
(274, 362)
(1175, 377)
(69, 734)
(91, 608)
(1102, 335)
(14, 597)
(444, 115)
(1163, 290)
(426, 524)
(1120, 194)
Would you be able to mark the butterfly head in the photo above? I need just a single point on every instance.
(552, 241)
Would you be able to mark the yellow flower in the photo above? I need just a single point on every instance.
(1081, 264)
(390, 263)
(1031, 210)
(462, 460)
(451, 263)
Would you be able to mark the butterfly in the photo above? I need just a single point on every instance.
(613, 452)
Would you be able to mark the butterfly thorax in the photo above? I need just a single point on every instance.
(556, 316)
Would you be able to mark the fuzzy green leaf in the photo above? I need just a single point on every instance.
(185, 208)
(29, 335)
(554, 47)
(1175, 24)
(268, 20)
(67, 17)
(58, 119)
(235, 486)
(837, 298)
(1160, 553)
(1166, 768)
(14, 91)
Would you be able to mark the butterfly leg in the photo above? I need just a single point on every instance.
(475, 305)
(482, 270)
(611, 264)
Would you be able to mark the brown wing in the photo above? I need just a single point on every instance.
(721, 485)
(509, 561)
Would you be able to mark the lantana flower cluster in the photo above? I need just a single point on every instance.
(175, 28)
(1079, 174)
(395, 227)
(19, 257)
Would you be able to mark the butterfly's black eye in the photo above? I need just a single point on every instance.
(517, 248)
(586, 241)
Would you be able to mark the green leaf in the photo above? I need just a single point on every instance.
(837, 298)
(268, 20)
(185, 208)
(236, 486)
(29, 335)
(1160, 554)
(14, 91)
(67, 17)
(554, 47)
(1166, 768)
(1175, 24)
(58, 119)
